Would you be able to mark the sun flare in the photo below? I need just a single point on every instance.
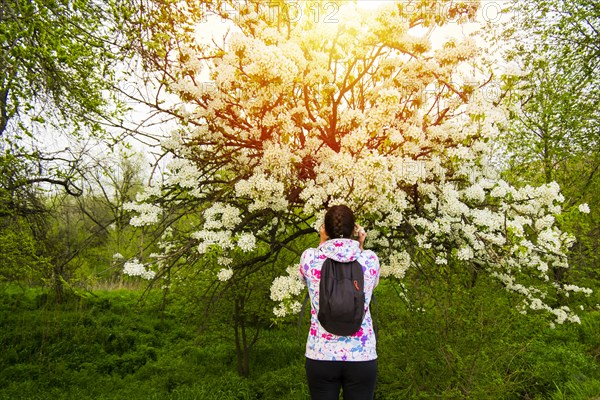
(371, 4)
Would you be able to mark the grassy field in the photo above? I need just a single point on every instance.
(111, 346)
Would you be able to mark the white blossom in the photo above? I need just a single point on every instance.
(398, 264)
(133, 267)
(584, 208)
(577, 289)
(544, 222)
(224, 261)
(280, 311)
(209, 238)
(284, 287)
(439, 260)
(148, 213)
(147, 193)
(184, 173)
(224, 274)
(475, 192)
(464, 253)
(219, 216)
(247, 242)
(295, 307)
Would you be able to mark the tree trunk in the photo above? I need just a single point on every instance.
(242, 349)
(58, 286)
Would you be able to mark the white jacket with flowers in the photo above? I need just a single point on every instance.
(322, 345)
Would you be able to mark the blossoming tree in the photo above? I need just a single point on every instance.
(302, 107)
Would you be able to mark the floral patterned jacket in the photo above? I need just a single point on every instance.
(322, 345)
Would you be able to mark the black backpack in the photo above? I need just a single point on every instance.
(341, 297)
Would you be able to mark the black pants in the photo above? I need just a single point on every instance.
(356, 378)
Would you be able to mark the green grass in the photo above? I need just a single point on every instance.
(111, 346)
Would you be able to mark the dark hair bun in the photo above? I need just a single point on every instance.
(339, 222)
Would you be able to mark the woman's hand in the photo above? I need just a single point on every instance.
(322, 234)
(360, 234)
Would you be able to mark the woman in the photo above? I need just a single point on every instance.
(334, 362)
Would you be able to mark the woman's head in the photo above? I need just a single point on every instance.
(339, 222)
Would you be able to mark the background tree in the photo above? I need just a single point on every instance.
(59, 62)
(554, 96)
(111, 180)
